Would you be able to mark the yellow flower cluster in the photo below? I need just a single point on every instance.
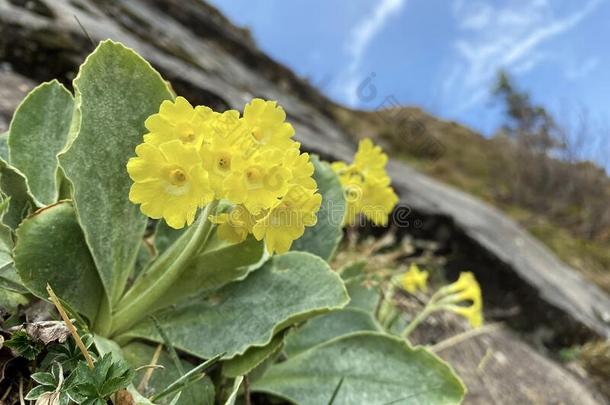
(414, 280)
(366, 185)
(465, 290)
(191, 156)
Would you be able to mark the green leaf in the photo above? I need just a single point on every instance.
(289, 288)
(9, 279)
(109, 375)
(353, 270)
(139, 354)
(362, 297)
(326, 327)
(376, 369)
(4, 146)
(44, 378)
(10, 300)
(323, 238)
(165, 236)
(36, 392)
(252, 358)
(6, 246)
(24, 345)
(14, 186)
(219, 264)
(115, 91)
(51, 249)
(38, 132)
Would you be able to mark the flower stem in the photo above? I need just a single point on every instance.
(428, 309)
(146, 291)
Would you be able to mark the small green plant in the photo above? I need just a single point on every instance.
(243, 226)
(83, 385)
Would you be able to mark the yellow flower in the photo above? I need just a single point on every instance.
(169, 182)
(414, 280)
(301, 168)
(370, 159)
(286, 221)
(266, 122)
(366, 185)
(472, 313)
(223, 149)
(234, 226)
(259, 181)
(179, 120)
(465, 290)
(192, 155)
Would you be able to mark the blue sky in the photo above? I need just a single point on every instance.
(443, 55)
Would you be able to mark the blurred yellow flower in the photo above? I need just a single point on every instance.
(414, 280)
(169, 182)
(366, 185)
(464, 298)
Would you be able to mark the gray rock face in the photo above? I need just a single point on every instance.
(525, 376)
(211, 62)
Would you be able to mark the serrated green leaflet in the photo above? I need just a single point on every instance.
(51, 249)
(38, 132)
(323, 238)
(115, 91)
(289, 288)
(326, 327)
(376, 369)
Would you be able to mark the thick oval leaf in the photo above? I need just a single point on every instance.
(367, 368)
(289, 288)
(51, 248)
(139, 354)
(323, 238)
(329, 326)
(38, 132)
(253, 357)
(116, 90)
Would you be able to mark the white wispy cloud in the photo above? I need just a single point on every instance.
(359, 39)
(509, 36)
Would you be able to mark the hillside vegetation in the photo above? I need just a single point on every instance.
(561, 201)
